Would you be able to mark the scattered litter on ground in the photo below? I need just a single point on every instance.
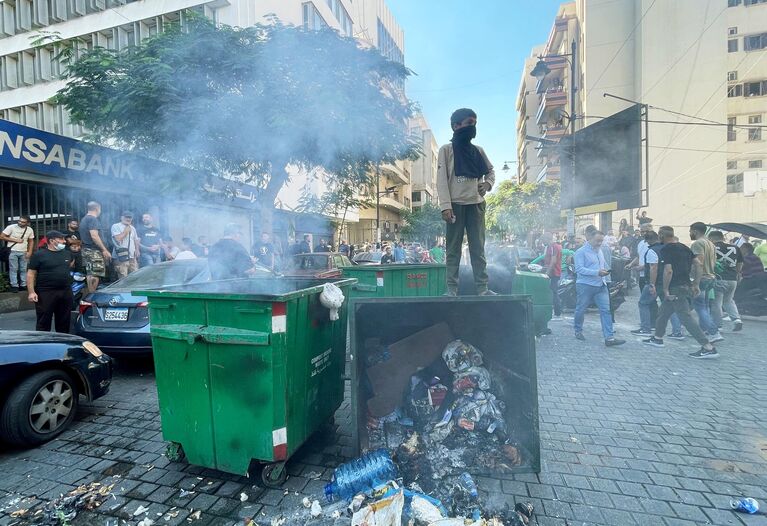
(313, 475)
(141, 510)
(194, 516)
(243, 497)
(185, 493)
(316, 509)
(63, 510)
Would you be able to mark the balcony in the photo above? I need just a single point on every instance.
(392, 204)
(397, 174)
(549, 172)
(557, 65)
(553, 98)
(554, 133)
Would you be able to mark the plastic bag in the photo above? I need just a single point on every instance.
(470, 379)
(332, 298)
(384, 512)
(460, 356)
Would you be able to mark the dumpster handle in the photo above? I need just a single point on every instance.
(161, 307)
(245, 310)
(364, 287)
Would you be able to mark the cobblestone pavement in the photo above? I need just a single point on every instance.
(630, 435)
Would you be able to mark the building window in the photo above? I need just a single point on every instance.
(755, 134)
(387, 46)
(732, 31)
(754, 2)
(312, 18)
(755, 42)
(344, 20)
(755, 164)
(736, 90)
(734, 184)
(755, 89)
(416, 197)
(732, 76)
(732, 165)
(732, 135)
(733, 3)
(732, 45)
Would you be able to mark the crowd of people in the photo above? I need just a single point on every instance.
(673, 279)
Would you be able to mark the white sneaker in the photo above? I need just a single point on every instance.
(557, 318)
(713, 338)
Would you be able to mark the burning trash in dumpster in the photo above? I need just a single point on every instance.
(439, 395)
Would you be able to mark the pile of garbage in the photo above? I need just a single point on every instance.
(431, 417)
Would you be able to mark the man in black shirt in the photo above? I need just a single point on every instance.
(387, 258)
(227, 258)
(96, 255)
(305, 247)
(264, 251)
(49, 283)
(729, 264)
(150, 241)
(73, 231)
(676, 264)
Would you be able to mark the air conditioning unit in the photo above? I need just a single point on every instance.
(732, 31)
(732, 75)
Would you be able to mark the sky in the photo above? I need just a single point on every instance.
(471, 54)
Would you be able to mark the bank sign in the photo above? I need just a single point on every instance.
(38, 152)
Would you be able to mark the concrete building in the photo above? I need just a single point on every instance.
(531, 165)
(423, 177)
(29, 75)
(685, 56)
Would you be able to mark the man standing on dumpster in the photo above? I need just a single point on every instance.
(464, 176)
(227, 258)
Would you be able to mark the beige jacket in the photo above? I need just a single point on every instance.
(458, 190)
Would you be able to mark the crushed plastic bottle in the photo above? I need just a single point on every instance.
(361, 474)
(468, 485)
(746, 505)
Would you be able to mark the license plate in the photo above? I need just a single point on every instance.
(116, 315)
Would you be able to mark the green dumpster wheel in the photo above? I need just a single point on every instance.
(174, 452)
(274, 475)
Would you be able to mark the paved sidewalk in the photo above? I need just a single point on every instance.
(630, 435)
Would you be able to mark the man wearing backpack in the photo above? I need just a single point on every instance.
(729, 264)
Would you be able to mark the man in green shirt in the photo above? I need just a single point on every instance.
(761, 252)
(438, 254)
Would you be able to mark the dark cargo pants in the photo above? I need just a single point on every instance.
(471, 220)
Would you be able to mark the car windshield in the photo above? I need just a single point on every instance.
(163, 275)
(310, 262)
(368, 256)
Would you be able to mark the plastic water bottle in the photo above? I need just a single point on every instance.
(361, 474)
(747, 505)
(468, 485)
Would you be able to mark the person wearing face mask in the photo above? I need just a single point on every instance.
(464, 176)
(49, 283)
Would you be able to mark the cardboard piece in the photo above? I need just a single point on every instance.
(391, 379)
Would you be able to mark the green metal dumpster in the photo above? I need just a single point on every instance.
(386, 281)
(246, 369)
(537, 286)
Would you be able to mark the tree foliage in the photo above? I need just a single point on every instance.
(423, 224)
(244, 102)
(519, 209)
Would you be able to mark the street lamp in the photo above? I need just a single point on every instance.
(540, 71)
(506, 168)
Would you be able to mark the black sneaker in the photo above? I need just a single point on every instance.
(641, 332)
(703, 353)
(13, 289)
(738, 326)
(614, 342)
(677, 336)
(655, 342)
(580, 336)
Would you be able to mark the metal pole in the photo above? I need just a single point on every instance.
(378, 204)
(571, 211)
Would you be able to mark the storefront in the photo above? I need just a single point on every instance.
(51, 178)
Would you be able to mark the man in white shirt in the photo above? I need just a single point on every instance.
(20, 240)
(126, 251)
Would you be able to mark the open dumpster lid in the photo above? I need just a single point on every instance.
(757, 230)
(259, 289)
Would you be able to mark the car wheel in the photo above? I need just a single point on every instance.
(39, 409)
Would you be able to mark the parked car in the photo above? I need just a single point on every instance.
(117, 321)
(368, 258)
(322, 265)
(42, 376)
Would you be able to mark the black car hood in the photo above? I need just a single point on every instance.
(27, 337)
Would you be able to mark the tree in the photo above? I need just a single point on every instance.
(519, 209)
(244, 102)
(424, 224)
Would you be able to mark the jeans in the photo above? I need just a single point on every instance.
(681, 307)
(700, 304)
(554, 286)
(648, 313)
(723, 293)
(148, 259)
(588, 294)
(471, 220)
(17, 264)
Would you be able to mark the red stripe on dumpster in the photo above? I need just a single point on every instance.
(280, 443)
(279, 318)
(379, 279)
